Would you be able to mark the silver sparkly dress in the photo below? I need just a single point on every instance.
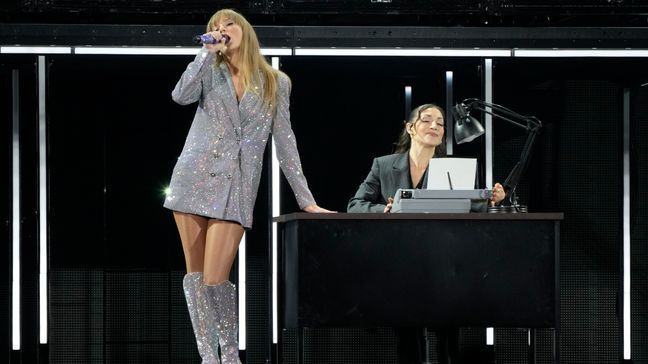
(217, 174)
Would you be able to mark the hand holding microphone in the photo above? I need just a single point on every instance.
(213, 41)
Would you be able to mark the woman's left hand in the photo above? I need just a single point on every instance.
(317, 209)
(498, 194)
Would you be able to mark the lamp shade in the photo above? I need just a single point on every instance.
(466, 129)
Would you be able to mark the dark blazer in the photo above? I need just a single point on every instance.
(388, 174)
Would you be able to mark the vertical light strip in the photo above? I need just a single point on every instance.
(448, 109)
(242, 287)
(275, 212)
(490, 336)
(15, 213)
(488, 97)
(275, 243)
(627, 343)
(42, 202)
(408, 101)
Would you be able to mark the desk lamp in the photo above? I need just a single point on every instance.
(467, 128)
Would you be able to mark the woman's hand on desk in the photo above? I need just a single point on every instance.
(390, 202)
(498, 194)
(318, 210)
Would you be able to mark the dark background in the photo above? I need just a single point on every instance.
(114, 134)
(336, 12)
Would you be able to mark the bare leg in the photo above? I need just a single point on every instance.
(222, 242)
(223, 239)
(193, 232)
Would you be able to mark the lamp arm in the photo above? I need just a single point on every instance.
(529, 123)
(501, 112)
(524, 122)
(512, 180)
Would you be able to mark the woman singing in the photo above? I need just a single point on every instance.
(241, 100)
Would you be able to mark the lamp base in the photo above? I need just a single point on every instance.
(513, 209)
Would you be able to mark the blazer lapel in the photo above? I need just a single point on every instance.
(425, 179)
(251, 101)
(248, 105)
(228, 95)
(400, 172)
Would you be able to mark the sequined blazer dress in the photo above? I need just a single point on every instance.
(217, 174)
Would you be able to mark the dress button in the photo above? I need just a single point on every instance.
(213, 174)
(229, 176)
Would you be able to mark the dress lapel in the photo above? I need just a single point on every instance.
(229, 98)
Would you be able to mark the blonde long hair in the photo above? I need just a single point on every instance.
(251, 61)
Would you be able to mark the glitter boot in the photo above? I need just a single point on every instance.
(223, 296)
(205, 327)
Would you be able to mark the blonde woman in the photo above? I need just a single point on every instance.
(241, 100)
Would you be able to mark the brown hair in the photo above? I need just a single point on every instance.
(404, 141)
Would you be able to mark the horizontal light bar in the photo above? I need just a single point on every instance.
(434, 52)
(34, 50)
(276, 51)
(580, 53)
(143, 51)
(404, 52)
(166, 51)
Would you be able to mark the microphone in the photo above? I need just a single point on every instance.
(209, 39)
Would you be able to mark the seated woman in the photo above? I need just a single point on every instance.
(422, 138)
